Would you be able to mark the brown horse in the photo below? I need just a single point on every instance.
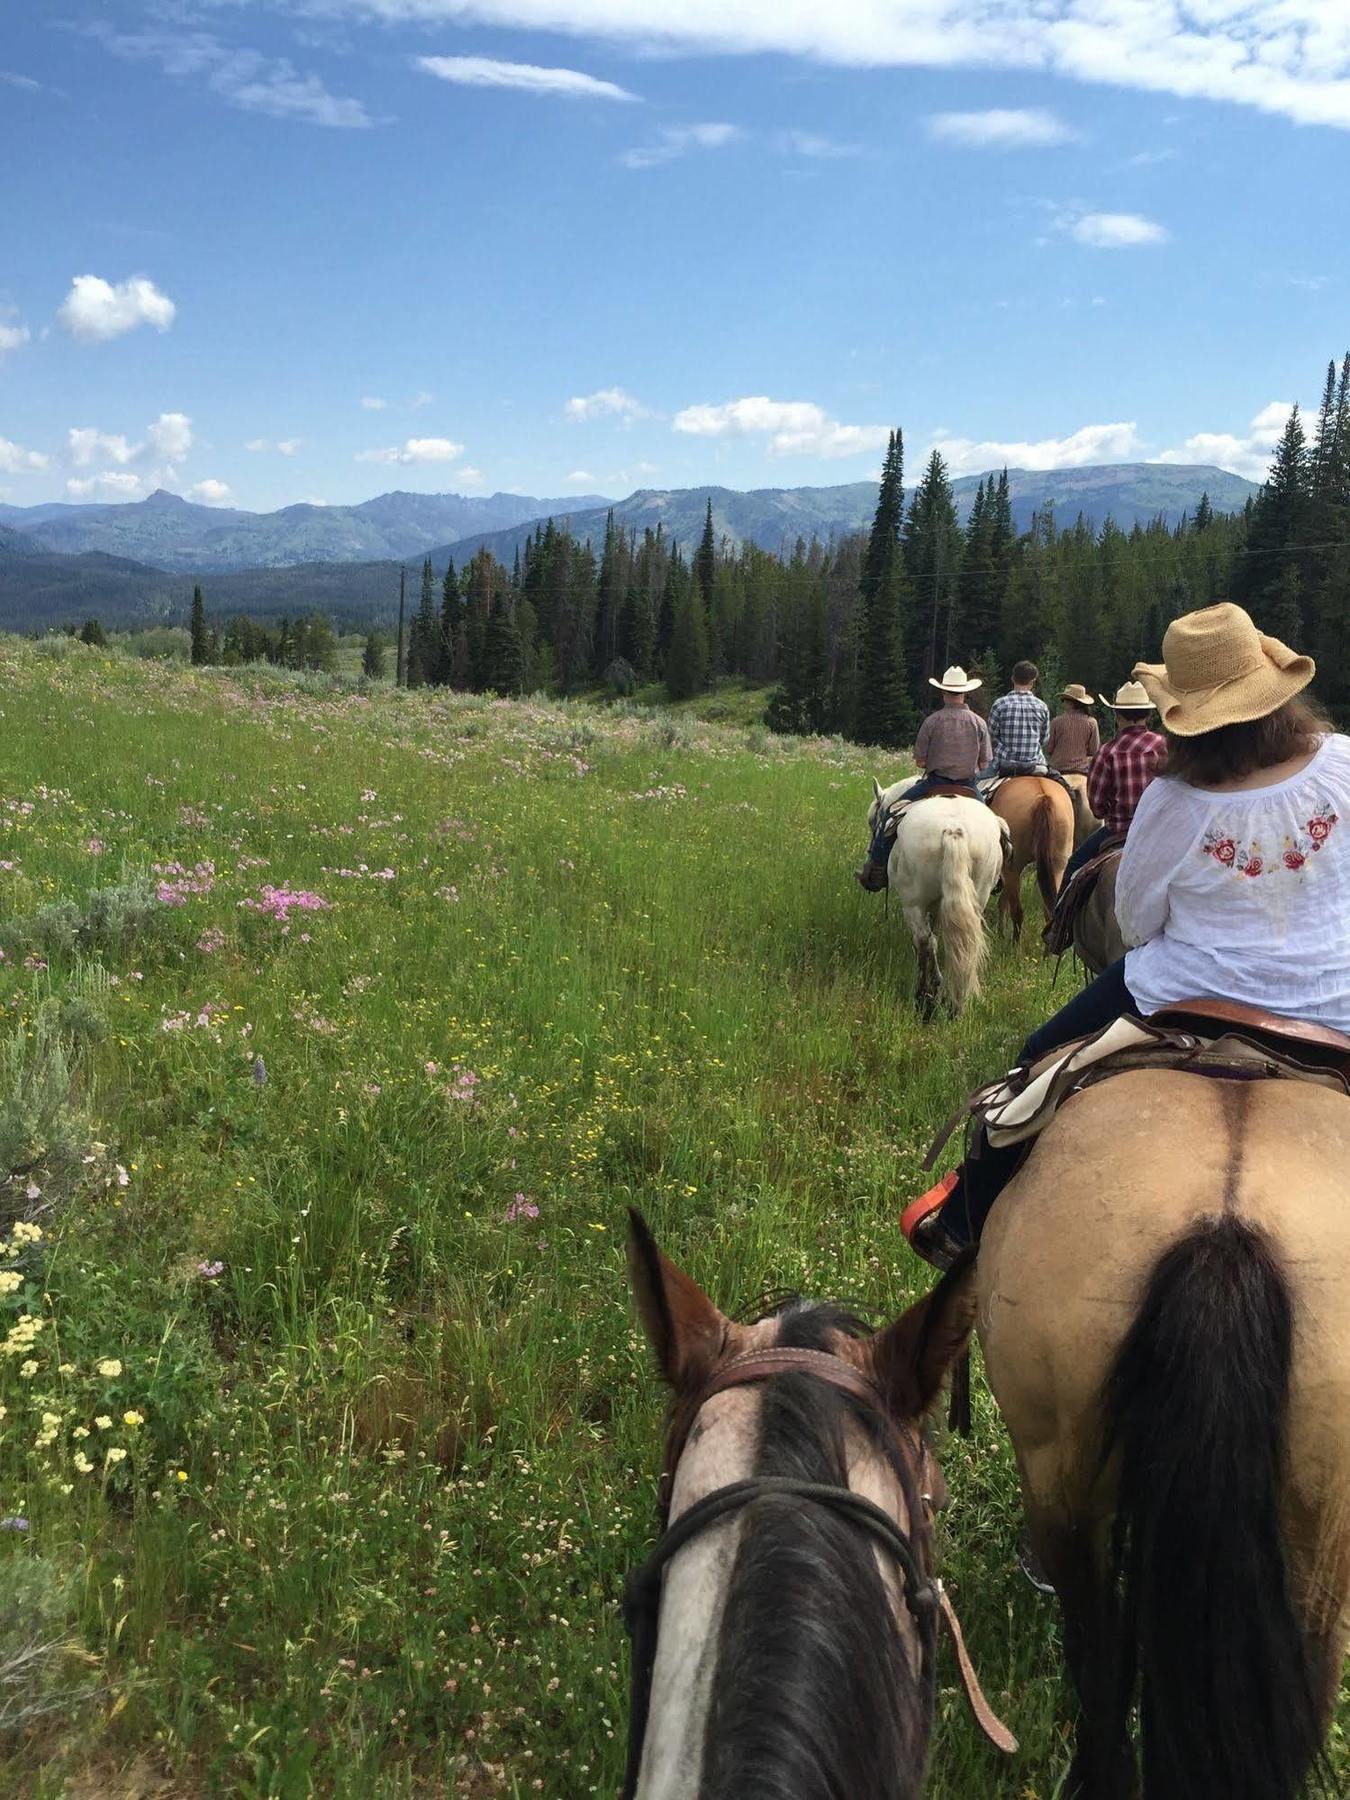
(1040, 816)
(1163, 1314)
(792, 1653)
(1084, 822)
(1097, 942)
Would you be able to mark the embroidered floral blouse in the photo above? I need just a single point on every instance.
(1243, 896)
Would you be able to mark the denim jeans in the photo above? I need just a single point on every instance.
(882, 839)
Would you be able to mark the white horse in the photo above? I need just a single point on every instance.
(947, 856)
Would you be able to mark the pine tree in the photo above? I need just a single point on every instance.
(609, 598)
(705, 562)
(882, 710)
(977, 610)
(372, 658)
(932, 549)
(504, 662)
(452, 612)
(197, 630)
(401, 654)
(423, 658)
(687, 658)
(92, 632)
(1204, 514)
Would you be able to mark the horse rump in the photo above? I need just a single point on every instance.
(1195, 1415)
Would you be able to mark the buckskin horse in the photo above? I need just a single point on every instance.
(1163, 1315)
(784, 1627)
(1040, 816)
(948, 854)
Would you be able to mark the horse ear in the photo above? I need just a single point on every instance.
(911, 1357)
(684, 1328)
(877, 789)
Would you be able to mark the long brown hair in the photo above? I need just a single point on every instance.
(1231, 751)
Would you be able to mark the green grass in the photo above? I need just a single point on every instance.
(369, 1535)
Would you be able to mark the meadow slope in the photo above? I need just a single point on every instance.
(339, 1031)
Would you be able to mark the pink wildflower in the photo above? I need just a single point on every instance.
(521, 1208)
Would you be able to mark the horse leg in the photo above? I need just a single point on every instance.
(927, 978)
(1095, 1652)
(1011, 901)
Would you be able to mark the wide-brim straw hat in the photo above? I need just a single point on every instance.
(1076, 691)
(1218, 669)
(956, 681)
(1131, 696)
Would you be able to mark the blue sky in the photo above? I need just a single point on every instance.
(262, 251)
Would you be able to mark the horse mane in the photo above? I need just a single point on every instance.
(814, 1693)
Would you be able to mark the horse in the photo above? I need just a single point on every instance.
(1040, 816)
(1164, 1324)
(947, 856)
(792, 1652)
(1084, 823)
(1097, 940)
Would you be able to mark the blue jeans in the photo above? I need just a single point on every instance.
(882, 838)
(1102, 1001)
(1090, 847)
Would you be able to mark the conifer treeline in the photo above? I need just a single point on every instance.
(847, 633)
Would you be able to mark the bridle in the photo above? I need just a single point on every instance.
(910, 1551)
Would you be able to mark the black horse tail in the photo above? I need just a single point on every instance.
(1196, 1408)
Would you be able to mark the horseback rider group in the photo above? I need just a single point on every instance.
(1233, 882)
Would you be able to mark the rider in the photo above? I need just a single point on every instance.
(951, 749)
(1122, 770)
(1019, 724)
(1074, 738)
(1235, 878)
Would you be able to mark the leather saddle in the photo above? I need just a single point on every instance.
(1303, 1038)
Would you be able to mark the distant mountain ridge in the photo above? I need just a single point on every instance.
(171, 533)
(773, 518)
(42, 586)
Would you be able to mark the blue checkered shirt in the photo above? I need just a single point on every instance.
(1019, 725)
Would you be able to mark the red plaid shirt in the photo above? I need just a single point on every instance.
(1121, 770)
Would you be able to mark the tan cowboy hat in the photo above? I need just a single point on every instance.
(956, 681)
(1218, 669)
(1076, 691)
(1130, 697)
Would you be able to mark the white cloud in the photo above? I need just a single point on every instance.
(420, 399)
(606, 403)
(1088, 445)
(1001, 129)
(288, 446)
(526, 78)
(813, 144)
(15, 460)
(469, 477)
(1290, 57)
(209, 492)
(111, 484)
(282, 446)
(26, 82)
(241, 77)
(1247, 454)
(170, 436)
(414, 450)
(1145, 159)
(1117, 231)
(677, 140)
(12, 337)
(373, 403)
(258, 445)
(85, 444)
(580, 478)
(95, 310)
(793, 427)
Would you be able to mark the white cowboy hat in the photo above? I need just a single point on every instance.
(1218, 669)
(956, 681)
(1131, 696)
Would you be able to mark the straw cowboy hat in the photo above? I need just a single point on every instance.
(1218, 669)
(1076, 691)
(1130, 697)
(956, 681)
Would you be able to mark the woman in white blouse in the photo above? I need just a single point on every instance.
(1235, 879)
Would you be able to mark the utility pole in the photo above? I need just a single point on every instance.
(401, 660)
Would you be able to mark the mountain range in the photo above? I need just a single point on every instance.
(134, 562)
(170, 533)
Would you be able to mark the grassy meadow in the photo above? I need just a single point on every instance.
(339, 1031)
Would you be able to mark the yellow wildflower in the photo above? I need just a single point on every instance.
(116, 1454)
(133, 1419)
(110, 1367)
(28, 1369)
(82, 1463)
(103, 1421)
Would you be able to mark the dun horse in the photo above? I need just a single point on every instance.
(1163, 1313)
(1040, 816)
(947, 856)
(792, 1653)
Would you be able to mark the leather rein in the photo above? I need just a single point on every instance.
(925, 1598)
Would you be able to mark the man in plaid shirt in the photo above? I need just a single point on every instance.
(1019, 724)
(1121, 770)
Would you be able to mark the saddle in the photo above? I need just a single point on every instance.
(1074, 897)
(1221, 1039)
(945, 790)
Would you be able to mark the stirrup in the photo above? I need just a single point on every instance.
(922, 1226)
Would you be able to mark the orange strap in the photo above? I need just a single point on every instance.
(985, 1716)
